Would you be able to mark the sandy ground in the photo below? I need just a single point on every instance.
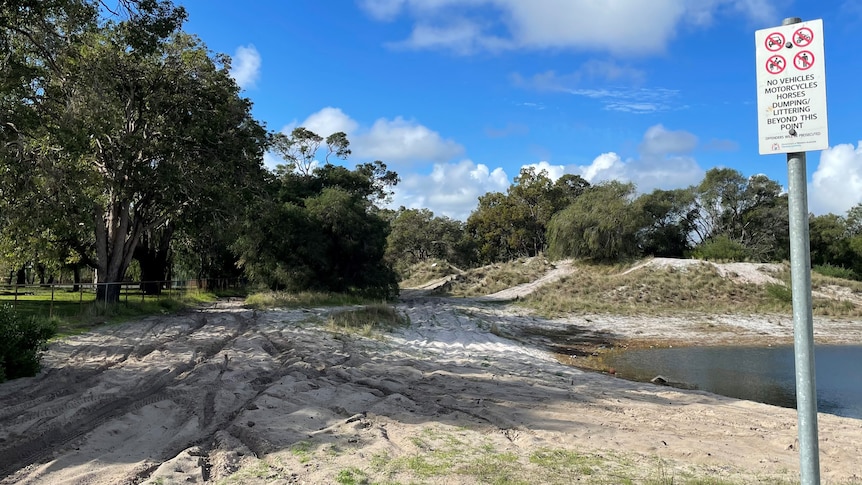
(228, 395)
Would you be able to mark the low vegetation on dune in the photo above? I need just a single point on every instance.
(426, 271)
(632, 289)
(500, 276)
(655, 290)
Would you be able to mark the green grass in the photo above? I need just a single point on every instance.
(77, 312)
(351, 476)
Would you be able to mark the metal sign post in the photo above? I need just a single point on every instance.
(791, 101)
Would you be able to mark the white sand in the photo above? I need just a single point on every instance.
(271, 397)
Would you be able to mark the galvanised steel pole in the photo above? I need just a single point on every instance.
(803, 323)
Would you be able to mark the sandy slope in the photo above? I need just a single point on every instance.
(234, 396)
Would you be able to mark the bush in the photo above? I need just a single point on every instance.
(835, 271)
(21, 342)
(721, 248)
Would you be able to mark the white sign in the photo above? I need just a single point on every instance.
(791, 88)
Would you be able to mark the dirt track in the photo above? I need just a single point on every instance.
(228, 394)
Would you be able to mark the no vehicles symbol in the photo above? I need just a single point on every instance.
(774, 41)
(803, 37)
(803, 60)
(776, 64)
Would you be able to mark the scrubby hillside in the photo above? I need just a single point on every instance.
(653, 286)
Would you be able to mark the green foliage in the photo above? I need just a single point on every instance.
(318, 229)
(21, 342)
(416, 236)
(752, 212)
(668, 216)
(721, 248)
(515, 224)
(601, 224)
(835, 271)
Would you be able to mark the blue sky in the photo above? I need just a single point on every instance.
(458, 95)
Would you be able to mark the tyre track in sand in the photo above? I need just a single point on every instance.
(64, 412)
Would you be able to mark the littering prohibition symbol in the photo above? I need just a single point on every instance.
(776, 65)
(804, 60)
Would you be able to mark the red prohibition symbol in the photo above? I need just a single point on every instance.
(804, 60)
(775, 65)
(803, 37)
(774, 41)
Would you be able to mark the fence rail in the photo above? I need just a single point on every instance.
(81, 294)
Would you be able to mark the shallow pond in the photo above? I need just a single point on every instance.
(764, 374)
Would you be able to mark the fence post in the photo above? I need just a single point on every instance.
(51, 308)
(15, 302)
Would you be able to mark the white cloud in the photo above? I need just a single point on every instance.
(395, 141)
(662, 163)
(245, 68)
(401, 141)
(627, 27)
(836, 185)
(553, 171)
(330, 120)
(271, 160)
(382, 9)
(660, 141)
(451, 189)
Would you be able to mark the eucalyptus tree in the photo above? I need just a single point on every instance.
(751, 212)
(319, 227)
(47, 76)
(136, 140)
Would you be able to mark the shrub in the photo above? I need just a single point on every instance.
(721, 248)
(21, 342)
(835, 271)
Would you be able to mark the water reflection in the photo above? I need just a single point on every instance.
(764, 374)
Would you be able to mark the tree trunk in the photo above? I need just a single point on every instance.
(21, 276)
(117, 235)
(76, 278)
(41, 270)
(153, 255)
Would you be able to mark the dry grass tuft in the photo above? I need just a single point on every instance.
(367, 320)
(497, 277)
(426, 271)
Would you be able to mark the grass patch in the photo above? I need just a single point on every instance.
(367, 320)
(593, 289)
(302, 450)
(669, 290)
(426, 271)
(351, 476)
(76, 312)
(306, 299)
(496, 277)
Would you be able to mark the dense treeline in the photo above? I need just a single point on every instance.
(125, 145)
(725, 217)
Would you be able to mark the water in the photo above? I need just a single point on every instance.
(763, 374)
